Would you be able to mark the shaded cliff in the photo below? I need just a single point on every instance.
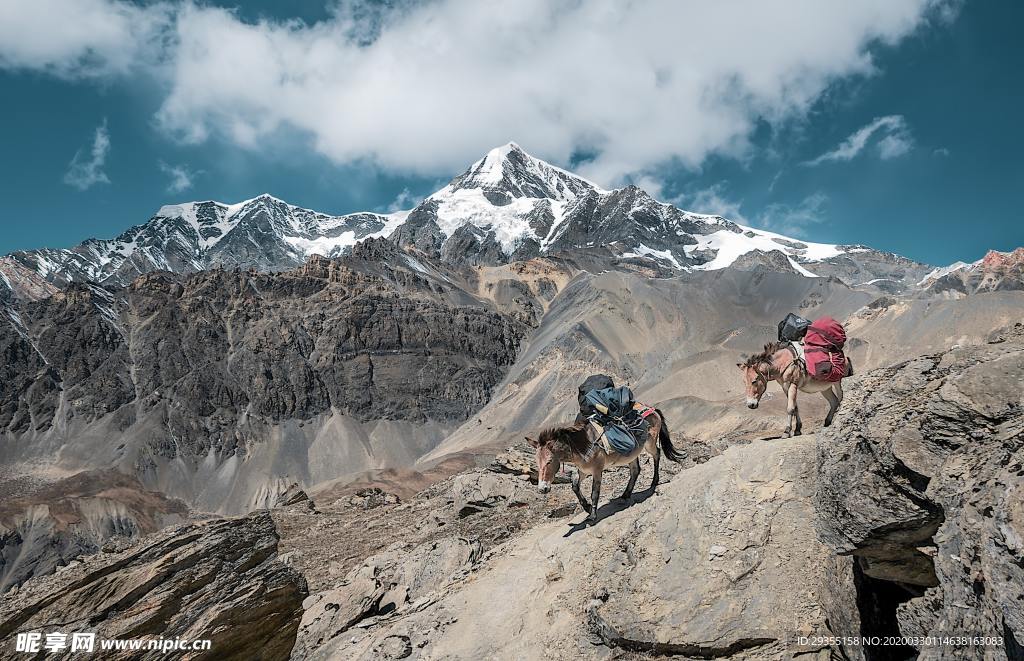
(922, 485)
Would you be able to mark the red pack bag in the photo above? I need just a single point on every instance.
(823, 349)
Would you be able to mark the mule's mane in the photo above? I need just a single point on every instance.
(573, 437)
(766, 356)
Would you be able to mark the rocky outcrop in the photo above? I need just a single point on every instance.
(217, 580)
(922, 483)
(20, 282)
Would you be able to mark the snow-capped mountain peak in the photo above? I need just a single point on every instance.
(506, 206)
(508, 172)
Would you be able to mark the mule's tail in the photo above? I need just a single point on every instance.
(666, 441)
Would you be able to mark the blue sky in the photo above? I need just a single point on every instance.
(896, 126)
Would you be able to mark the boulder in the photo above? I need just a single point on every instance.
(217, 580)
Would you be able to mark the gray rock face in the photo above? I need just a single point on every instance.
(222, 388)
(921, 482)
(218, 350)
(217, 580)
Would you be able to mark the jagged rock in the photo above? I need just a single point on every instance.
(922, 482)
(293, 495)
(760, 260)
(515, 461)
(217, 580)
(472, 492)
(370, 498)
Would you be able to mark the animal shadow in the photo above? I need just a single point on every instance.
(611, 507)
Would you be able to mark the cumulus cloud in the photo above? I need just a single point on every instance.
(86, 168)
(74, 38)
(181, 177)
(427, 87)
(896, 141)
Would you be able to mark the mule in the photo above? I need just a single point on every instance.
(778, 362)
(579, 444)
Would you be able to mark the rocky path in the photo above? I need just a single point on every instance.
(723, 563)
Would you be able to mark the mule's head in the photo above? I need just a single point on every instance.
(548, 461)
(755, 378)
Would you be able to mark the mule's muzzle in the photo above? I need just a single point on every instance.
(752, 403)
(543, 487)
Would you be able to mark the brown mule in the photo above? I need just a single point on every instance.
(580, 444)
(778, 362)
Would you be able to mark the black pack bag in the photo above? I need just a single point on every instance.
(593, 382)
(793, 328)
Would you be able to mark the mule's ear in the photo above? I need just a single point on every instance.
(740, 365)
(532, 441)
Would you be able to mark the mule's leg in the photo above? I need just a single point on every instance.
(794, 413)
(634, 472)
(657, 466)
(833, 404)
(576, 490)
(595, 495)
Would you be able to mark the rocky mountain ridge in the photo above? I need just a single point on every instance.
(508, 206)
(264, 233)
(996, 271)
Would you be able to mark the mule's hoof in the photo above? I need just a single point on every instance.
(786, 434)
(798, 433)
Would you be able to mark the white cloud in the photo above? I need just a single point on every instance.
(181, 177)
(794, 220)
(789, 219)
(427, 87)
(712, 200)
(86, 171)
(73, 38)
(894, 145)
(403, 202)
(896, 142)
